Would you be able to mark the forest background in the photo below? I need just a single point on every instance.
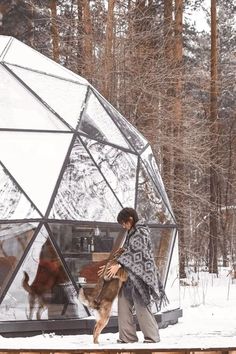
(176, 84)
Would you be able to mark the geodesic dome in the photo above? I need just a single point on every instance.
(69, 162)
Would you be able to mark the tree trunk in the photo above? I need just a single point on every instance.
(108, 62)
(87, 70)
(3, 9)
(168, 157)
(31, 26)
(79, 37)
(178, 135)
(213, 266)
(54, 31)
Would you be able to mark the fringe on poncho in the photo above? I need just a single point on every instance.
(138, 260)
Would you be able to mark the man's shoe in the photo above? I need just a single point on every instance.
(120, 341)
(150, 341)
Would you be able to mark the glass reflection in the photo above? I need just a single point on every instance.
(150, 204)
(13, 203)
(14, 95)
(163, 239)
(132, 135)
(84, 250)
(83, 193)
(118, 167)
(98, 125)
(53, 91)
(35, 161)
(14, 239)
(46, 292)
(151, 166)
(22, 55)
(172, 283)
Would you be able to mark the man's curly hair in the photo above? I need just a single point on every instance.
(125, 214)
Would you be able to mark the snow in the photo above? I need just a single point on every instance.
(209, 321)
(198, 17)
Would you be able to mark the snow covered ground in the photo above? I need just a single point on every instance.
(209, 321)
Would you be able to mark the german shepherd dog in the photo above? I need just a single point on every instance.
(50, 273)
(101, 297)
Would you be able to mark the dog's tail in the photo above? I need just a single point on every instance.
(25, 283)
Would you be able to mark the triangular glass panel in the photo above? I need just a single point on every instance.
(116, 165)
(52, 294)
(85, 247)
(136, 140)
(20, 109)
(14, 238)
(13, 203)
(35, 161)
(152, 168)
(83, 193)
(98, 124)
(25, 56)
(150, 204)
(4, 40)
(163, 241)
(64, 97)
(172, 284)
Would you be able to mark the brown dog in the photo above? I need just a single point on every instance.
(101, 298)
(50, 273)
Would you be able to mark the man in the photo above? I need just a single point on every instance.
(143, 284)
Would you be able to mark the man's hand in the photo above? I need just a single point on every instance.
(101, 270)
(112, 270)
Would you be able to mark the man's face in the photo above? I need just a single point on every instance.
(128, 224)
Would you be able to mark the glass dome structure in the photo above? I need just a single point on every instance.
(69, 162)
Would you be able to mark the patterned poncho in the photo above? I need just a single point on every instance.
(138, 260)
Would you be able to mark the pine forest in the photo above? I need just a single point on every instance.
(169, 66)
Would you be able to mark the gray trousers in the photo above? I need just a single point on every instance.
(127, 326)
